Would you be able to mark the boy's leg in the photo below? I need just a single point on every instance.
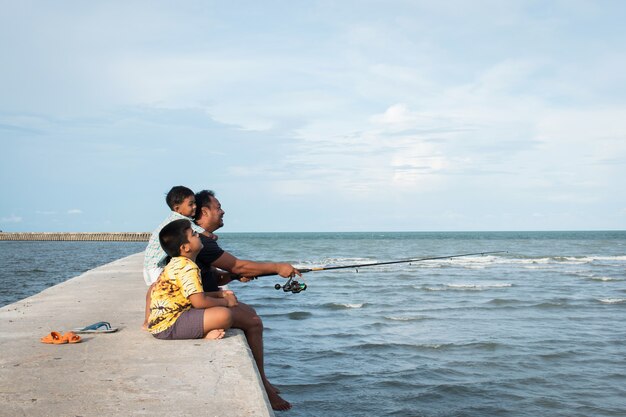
(216, 320)
(246, 319)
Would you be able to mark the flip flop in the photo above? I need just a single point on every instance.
(54, 338)
(71, 337)
(99, 327)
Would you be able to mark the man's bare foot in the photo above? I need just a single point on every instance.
(269, 385)
(215, 334)
(276, 401)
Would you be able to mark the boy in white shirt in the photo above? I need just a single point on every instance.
(182, 201)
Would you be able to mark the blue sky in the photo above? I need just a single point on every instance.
(315, 116)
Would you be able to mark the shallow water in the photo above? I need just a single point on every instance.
(538, 331)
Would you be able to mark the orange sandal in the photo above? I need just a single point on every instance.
(71, 337)
(54, 338)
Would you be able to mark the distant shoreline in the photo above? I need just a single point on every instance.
(56, 236)
(145, 236)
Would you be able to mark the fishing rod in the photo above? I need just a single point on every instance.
(295, 287)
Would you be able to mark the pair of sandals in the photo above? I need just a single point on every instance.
(57, 338)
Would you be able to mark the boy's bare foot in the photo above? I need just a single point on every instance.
(276, 401)
(144, 326)
(215, 334)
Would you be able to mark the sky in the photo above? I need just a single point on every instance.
(316, 115)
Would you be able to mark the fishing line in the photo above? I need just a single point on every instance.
(295, 287)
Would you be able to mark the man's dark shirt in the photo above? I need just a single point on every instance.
(209, 254)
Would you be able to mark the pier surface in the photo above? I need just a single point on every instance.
(124, 373)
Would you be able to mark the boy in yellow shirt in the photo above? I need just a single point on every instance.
(179, 307)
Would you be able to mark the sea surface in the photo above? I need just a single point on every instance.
(537, 331)
(27, 268)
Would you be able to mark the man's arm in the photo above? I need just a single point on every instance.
(225, 277)
(249, 269)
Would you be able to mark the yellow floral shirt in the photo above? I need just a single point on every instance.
(170, 295)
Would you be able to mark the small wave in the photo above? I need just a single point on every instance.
(406, 318)
(472, 345)
(25, 272)
(466, 287)
(608, 258)
(305, 387)
(605, 279)
(588, 259)
(259, 304)
(593, 277)
(503, 301)
(569, 260)
(426, 288)
(579, 274)
(466, 262)
(329, 262)
(430, 265)
(490, 346)
(299, 315)
(553, 303)
(342, 306)
(478, 287)
(611, 300)
(558, 355)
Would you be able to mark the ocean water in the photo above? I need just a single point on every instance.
(537, 331)
(27, 268)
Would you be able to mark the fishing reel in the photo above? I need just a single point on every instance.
(292, 286)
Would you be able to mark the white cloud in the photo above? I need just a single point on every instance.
(399, 117)
(75, 211)
(11, 219)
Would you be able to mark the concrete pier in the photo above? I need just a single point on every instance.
(124, 373)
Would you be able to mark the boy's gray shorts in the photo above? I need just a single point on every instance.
(189, 325)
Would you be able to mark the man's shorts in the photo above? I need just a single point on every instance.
(189, 325)
(151, 275)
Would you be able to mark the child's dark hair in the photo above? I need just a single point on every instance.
(203, 199)
(177, 195)
(173, 236)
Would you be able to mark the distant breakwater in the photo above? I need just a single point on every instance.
(101, 237)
